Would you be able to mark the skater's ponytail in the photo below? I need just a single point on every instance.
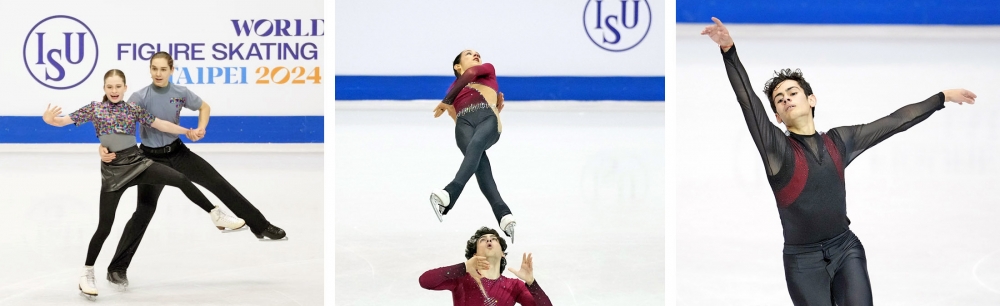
(470, 246)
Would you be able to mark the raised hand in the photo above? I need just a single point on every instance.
(527, 269)
(959, 96)
(475, 264)
(51, 113)
(719, 34)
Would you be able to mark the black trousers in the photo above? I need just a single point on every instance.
(181, 159)
(475, 132)
(831, 272)
(156, 174)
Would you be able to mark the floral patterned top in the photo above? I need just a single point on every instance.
(112, 118)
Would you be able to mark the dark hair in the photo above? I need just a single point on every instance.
(470, 246)
(784, 75)
(458, 59)
(164, 55)
(111, 73)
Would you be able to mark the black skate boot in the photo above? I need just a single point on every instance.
(271, 232)
(118, 278)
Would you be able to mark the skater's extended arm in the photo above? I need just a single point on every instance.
(769, 139)
(532, 295)
(466, 78)
(858, 138)
(443, 278)
(167, 127)
(51, 116)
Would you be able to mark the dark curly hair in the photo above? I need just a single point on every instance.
(784, 75)
(470, 246)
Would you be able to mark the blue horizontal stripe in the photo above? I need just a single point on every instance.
(221, 129)
(351, 87)
(911, 12)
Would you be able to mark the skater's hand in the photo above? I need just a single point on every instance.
(51, 113)
(106, 156)
(195, 134)
(475, 264)
(440, 109)
(719, 34)
(959, 96)
(499, 102)
(527, 270)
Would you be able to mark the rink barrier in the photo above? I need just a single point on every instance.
(221, 129)
(894, 12)
(514, 88)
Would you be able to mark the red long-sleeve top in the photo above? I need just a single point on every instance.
(461, 97)
(502, 291)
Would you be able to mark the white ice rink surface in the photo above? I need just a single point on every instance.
(924, 203)
(585, 186)
(49, 206)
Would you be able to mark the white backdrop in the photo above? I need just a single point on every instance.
(187, 22)
(923, 202)
(381, 37)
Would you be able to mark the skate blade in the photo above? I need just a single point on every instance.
(265, 239)
(435, 204)
(89, 296)
(239, 229)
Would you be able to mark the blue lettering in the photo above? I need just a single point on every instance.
(69, 48)
(41, 48)
(277, 27)
(235, 51)
(316, 27)
(611, 27)
(220, 51)
(231, 73)
(122, 51)
(182, 49)
(254, 51)
(214, 72)
(195, 49)
(245, 28)
(309, 53)
(146, 55)
(282, 27)
(256, 27)
(55, 64)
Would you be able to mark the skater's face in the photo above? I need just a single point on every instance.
(468, 59)
(114, 88)
(791, 102)
(160, 70)
(488, 245)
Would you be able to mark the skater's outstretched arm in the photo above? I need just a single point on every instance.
(533, 294)
(769, 139)
(858, 138)
(145, 118)
(51, 116)
(443, 278)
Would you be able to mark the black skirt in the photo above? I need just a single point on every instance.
(127, 165)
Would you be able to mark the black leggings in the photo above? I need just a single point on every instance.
(832, 272)
(194, 167)
(475, 132)
(155, 174)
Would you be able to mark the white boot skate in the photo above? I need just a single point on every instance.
(439, 201)
(507, 223)
(88, 287)
(224, 221)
